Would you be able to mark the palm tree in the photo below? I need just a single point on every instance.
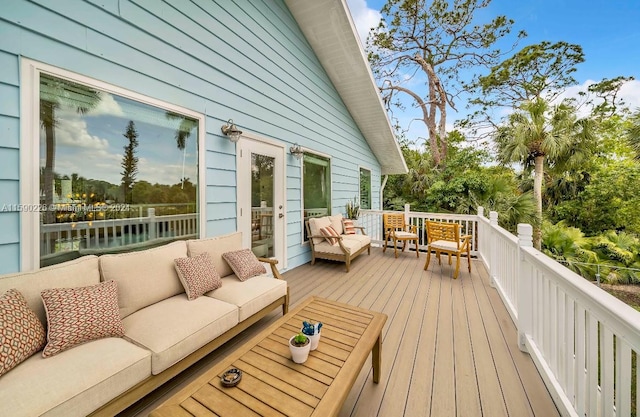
(538, 135)
(56, 93)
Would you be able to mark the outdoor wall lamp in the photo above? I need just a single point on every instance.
(231, 130)
(296, 151)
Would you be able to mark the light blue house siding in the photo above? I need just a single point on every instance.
(242, 60)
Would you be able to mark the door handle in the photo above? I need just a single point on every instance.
(280, 215)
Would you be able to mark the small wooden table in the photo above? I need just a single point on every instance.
(272, 384)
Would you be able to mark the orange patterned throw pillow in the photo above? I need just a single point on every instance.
(244, 264)
(330, 234)
(198, 275)
(21, 332)
(349, 228)
(78, 315)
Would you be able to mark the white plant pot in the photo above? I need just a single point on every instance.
(315, 339)
(299, 354)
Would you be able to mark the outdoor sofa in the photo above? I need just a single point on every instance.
(335, 238)
(164, 332)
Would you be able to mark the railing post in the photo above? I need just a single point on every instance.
(525, 287)
(493, 256)
(152, 222)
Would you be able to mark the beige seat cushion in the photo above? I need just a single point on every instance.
(251, 295)
(352, 246)
(144, 277)
(215, 247)
(400, 234)
(77, 273)
(173, 328)
(362, 239)
(443, 244)
(74, 382)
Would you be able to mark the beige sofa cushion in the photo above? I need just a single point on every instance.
(144, 277)
(336, 223)
(173, 328)
(250, 296)
(77, 273)
(353, 243)
(317, 223)
(74, 382)
(216, 246)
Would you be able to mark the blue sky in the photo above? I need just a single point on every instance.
(608, 31)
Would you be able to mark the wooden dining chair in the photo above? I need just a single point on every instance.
(396, 229)
(445, 237)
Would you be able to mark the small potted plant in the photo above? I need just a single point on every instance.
(352, 209)
(299, 345)
(313, 332)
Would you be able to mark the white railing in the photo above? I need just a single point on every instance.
(100, 234)
(583, 341)
(372, 221)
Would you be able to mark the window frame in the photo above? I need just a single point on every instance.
(360, 169)
(330, 208)
(30, 148)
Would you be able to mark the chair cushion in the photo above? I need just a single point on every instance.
(144, 277)
(348, 227)
(244, 264)
(74, 382)
(216, 246)
(444, 245)
(173, 328)
(251, 296)
(21, 332)
(197, 275)
(79, 315)
(315, 224)
(405, 235)
(330, 234)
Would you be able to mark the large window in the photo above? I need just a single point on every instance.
(115, 173)
(316, 184)
(365, 189)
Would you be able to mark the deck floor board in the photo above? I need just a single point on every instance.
(449, 346)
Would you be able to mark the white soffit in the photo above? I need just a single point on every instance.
(330, 31)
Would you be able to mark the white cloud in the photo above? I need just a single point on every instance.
(71, 131)
(107, 106)
(363, 17)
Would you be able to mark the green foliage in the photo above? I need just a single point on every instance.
(352, 209)
(540, 71)
(300, 339)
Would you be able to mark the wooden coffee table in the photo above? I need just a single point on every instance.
(272, 384)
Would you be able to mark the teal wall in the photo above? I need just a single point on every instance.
(243, 60)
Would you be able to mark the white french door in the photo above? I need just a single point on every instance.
(260, 193)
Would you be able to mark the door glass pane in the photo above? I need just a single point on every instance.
(262, 213)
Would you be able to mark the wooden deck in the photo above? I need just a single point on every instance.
(449, 346)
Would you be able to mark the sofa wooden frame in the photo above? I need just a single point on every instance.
(142, 389)
(345, 256)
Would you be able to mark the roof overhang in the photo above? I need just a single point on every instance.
(329, 29)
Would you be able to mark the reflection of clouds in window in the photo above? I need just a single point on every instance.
(71, 130)
(107, 106)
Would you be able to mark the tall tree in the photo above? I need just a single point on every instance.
(420, 50)
(538, 135)
(129, 161)
(56, 93)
